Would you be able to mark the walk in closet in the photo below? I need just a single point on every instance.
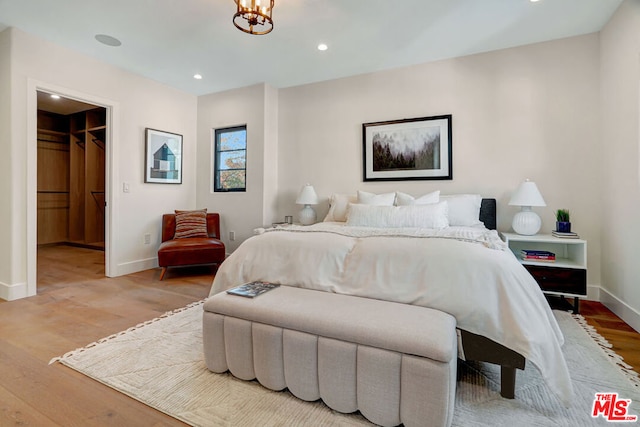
(71, 178)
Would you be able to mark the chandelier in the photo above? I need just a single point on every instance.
(254, 16)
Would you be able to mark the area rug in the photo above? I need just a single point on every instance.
(160, 363)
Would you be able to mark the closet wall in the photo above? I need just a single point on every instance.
(53, 178)
(71, 178)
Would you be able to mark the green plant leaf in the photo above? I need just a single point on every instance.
(562, 215)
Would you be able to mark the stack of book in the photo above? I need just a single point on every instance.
(570, 235)
(532, 255)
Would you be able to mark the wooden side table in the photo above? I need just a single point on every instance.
(566, 277)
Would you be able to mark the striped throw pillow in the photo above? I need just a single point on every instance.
(191, 224)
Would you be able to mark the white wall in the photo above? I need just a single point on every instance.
(140, 103)
(271, 166)
(620, 93)
(241, 212)
(6, 255)
(526, 112)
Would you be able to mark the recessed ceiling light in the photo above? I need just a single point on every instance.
(197, 76)
(533, 1)
(108, 40)
(55, 96)
(322, 46)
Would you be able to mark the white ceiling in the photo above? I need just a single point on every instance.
(171, 40)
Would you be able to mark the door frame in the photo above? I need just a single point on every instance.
(112, 128)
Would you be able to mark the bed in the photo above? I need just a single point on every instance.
(466, 271)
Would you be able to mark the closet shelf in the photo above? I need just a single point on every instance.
(53, 141)
(52, 132)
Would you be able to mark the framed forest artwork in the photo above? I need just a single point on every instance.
(408, 149)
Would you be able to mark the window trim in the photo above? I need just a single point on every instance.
(216, 159)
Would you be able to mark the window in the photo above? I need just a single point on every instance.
(230, 163)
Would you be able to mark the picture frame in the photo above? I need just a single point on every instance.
(408, 149)
(163, 157)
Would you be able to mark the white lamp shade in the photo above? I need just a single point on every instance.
(307, 196)
(527, 194)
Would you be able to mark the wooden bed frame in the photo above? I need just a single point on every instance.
(482, 349)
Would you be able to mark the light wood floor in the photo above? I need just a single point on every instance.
(77, 305)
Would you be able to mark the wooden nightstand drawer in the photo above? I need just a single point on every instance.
(561, 280)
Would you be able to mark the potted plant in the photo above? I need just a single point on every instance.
(563, 224)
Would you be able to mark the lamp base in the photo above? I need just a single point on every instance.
(526, 222)
(307, 215)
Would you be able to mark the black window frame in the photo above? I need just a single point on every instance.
(216, 168)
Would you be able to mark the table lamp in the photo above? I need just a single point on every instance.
(527, 222)
(307, 197)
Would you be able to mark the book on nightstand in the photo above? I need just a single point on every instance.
(253, 289)
(562, 235)
(538, 259)
(534, 255)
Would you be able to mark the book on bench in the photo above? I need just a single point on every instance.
(253, 289)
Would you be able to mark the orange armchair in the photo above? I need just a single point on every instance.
(191, 250)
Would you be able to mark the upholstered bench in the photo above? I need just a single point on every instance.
(395, 363)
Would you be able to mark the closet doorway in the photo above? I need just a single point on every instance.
(71, 138)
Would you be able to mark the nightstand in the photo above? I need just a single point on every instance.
(566, 277)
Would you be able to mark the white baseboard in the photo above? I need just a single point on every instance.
(13, 292)
(135, 266)
(627, 313)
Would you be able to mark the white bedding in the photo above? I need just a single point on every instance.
(465, 271)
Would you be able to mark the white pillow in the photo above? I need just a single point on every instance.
(464, 209)
(338, 204)
(417, 216)
(403, 199)
(385, 199)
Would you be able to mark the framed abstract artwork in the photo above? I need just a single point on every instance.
(408, 149)
(163, 157)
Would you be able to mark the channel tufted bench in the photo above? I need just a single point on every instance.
(395, 363)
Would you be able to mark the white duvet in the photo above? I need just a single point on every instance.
(466, 272)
